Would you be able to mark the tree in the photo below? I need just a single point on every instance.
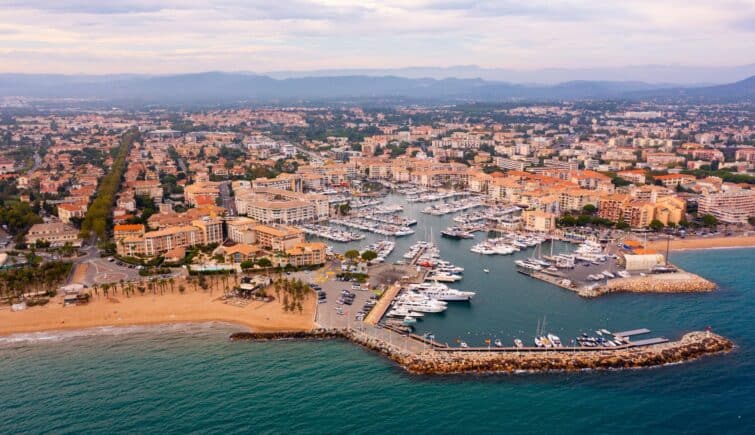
(567, 221)
(264, 262)
(656, 225)
(622, 225)
(709, 220)
(247, 264)
(589, 209)
(369, 255)
(344, 209)
(351, 254)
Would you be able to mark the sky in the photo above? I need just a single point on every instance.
(175, 36)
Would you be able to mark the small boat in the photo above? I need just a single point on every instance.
(408, 320)
(486, 270)
(498, 343)
(554, 339)
(518, 343)
(464, 344)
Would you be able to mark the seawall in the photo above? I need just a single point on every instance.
(679, 282)
(691, 346)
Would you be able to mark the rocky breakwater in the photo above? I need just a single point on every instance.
(679, 282)
(394, 353)
(690, 347)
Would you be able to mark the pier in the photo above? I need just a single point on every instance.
(377, 312)
(633, 332)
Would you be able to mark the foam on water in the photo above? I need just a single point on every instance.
(101, 331)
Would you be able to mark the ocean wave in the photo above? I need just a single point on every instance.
(103, 331)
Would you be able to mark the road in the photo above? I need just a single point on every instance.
(227, 200)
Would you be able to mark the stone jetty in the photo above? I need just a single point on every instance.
(679, 282)
(691, 346)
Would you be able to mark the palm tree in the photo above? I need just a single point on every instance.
(171, 281)
(105, 288)
(95, 287)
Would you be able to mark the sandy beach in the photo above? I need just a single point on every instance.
(147, 309)
(704, 243)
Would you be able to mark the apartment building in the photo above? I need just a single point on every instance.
(278, 237)
(150, 188)
(56, 234)
(534, 220)
(304, 254)
(241, 230)
(639, 213)
(127, 230)
(733, 206)
(68, 211)
(674, 180)
(201, 232)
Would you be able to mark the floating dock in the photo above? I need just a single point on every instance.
(632, 332)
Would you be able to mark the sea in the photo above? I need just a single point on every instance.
(190, 378)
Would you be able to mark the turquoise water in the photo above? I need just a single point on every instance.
(190, 378)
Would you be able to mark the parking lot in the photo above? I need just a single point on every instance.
(330, 313)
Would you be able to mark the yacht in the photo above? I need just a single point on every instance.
(443, 277)
(518, 343)
(554, 340)
(526, 267)
(456, 233)
(424, 307)
(464, 344)
(441, 292)
(498, 343)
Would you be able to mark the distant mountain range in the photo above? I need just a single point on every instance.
(656, 74)
(224, 88)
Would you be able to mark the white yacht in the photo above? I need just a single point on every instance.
(443, 277)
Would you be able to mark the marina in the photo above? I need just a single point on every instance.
(373, 227)
(434, 196)
(415, 305)
(454, 206)
(329, 233)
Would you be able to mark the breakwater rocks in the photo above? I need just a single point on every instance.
(680, 282)
(691, 346)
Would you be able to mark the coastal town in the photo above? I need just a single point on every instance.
(283, 219)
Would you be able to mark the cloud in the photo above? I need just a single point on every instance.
(263, 35)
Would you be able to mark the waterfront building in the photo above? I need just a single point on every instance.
(278, 237)
(541, 221)
(733, 206)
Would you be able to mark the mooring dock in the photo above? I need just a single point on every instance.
(631, 333)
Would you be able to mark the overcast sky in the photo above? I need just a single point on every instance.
(167, 36)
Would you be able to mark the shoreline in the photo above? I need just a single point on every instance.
(704, 243)
(154, 309)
